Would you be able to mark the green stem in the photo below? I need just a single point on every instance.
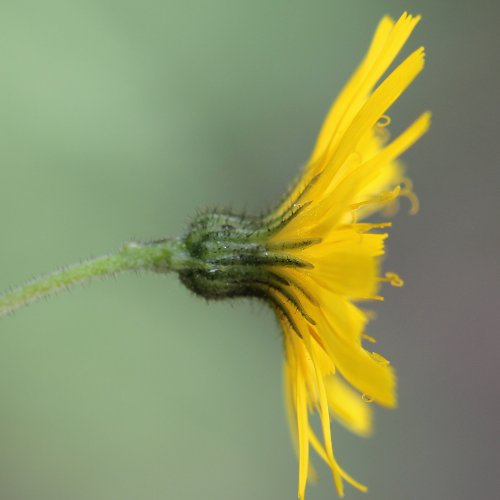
(160, 256)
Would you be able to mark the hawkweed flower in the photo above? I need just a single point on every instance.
(312, 259)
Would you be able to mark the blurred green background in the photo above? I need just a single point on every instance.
(119, 120)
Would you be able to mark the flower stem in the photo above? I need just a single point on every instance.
(157, 256)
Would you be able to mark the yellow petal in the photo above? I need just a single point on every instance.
(348, 407)
(348, 267)
(302, 426)
(363, 371)
(387, 42)
(325, 420)
(378, 103)
(326, 214)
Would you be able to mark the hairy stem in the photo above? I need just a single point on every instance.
(159, 256)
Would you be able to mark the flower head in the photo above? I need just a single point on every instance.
(313, 260)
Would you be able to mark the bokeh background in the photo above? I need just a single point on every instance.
(119, 120)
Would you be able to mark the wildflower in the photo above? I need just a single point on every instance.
(311, 259)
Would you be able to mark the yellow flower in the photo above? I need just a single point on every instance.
(353, 172)
(313, 261)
